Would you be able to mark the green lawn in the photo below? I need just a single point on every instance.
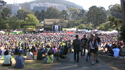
(29, 65)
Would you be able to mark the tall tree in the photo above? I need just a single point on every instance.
(31, 19)
(64, 14)
(7, 12)
(81, 14)
(52, 13)
(73, 13)
(96, 15)
(21, 14)
(37, 14)
(114, 11)
(41, 15)
(3, 25)
(13, 24)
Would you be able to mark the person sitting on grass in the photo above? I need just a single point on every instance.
(7, 59)
(40, 53)
(19, 61)
(116, 51)
(35, 53)
(49, 58)
(29, 55)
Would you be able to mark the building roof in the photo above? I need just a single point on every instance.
(51, 21)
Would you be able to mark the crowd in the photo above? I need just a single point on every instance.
(48, 46)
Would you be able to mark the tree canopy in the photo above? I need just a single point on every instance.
(31, 19)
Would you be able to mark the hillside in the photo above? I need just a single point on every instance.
(67, 3)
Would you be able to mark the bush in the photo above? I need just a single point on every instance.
(110, 29)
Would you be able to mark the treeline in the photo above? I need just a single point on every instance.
(95, 17)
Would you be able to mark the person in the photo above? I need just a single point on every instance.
(76, 45)
(35, 53)
(69, 46)
(116, 51)
(93, 44)
(16, 51)
(19, 61)
(39, 54)
(88, 54)
(96, 48)
(55, 49)
(7, 59)
(32, 48)
(49, 58)
(29, 55)
(3, 51)
(52, 51)
(83, 44)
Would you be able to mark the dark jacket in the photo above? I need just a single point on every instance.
(76, 44)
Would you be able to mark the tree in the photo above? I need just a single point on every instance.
(3, 25)
(106, 26)
(122, 33)
(7, 12)
(14, 24)
(118, 24)
(21, 14)
(73, 13)
(96, 15)
(114, 11)
(82, 26)
(81, 14)
(64, 14)
(31, 19)
(37, 14)
(52, 13)
(41, 15)
(115, 22)
(101, 27)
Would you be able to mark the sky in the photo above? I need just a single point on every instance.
(86, 4)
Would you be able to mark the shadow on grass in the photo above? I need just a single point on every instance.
(29, 65)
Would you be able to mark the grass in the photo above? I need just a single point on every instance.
(29, 65)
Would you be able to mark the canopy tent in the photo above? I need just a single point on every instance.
(2, 32)
(108, 32)
(69, 29)
(41, 29)
(114, 31)
(16, 32)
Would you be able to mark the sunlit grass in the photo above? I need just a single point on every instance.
(29, 64)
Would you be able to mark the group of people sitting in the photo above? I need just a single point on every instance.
(114, 48)
(40, 53)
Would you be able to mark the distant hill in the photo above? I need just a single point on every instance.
(64, 2)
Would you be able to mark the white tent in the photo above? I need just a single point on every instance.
(2, 32)
(114, 31)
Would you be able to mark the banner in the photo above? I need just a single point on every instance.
(56, 27)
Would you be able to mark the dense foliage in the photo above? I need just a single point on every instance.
(94, 18)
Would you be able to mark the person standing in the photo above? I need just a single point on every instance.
(96, 49)
(76, 45)
(93, 44)
(84, 44)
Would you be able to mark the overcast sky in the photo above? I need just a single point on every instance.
(86, 4)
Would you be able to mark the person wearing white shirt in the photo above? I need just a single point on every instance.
(29, 55)
(116, 52)
(3, 52)
(93, 43)
(7, 59)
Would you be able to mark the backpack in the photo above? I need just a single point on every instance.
(84, 42)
